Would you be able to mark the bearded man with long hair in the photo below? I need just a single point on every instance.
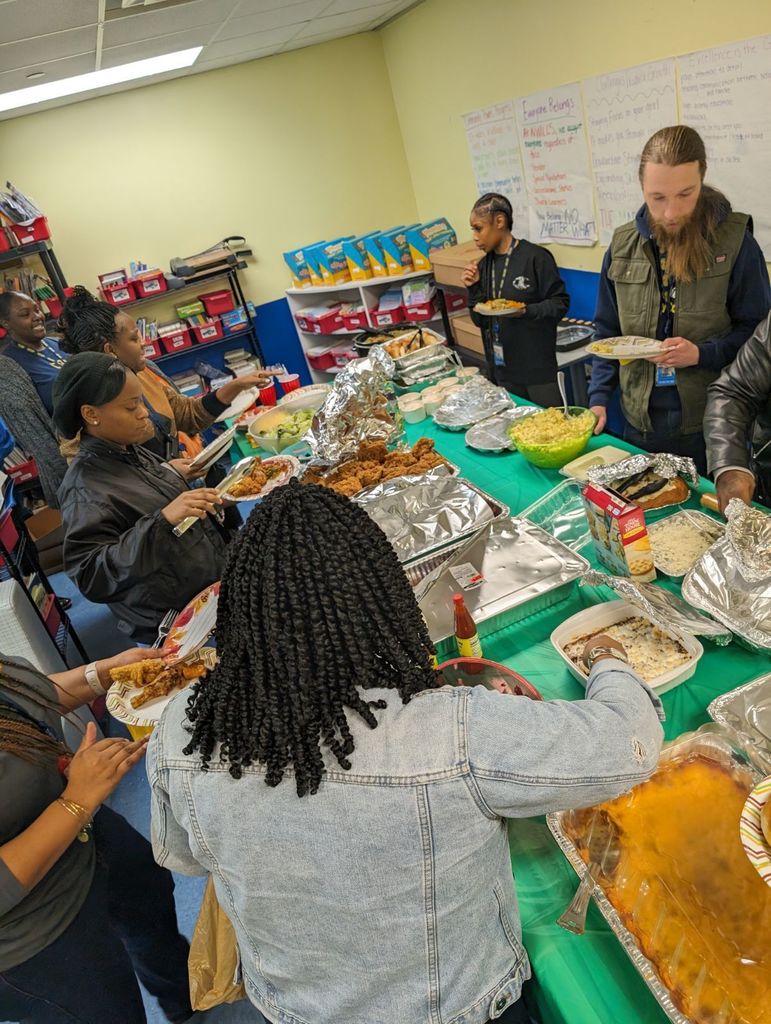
(688, 272)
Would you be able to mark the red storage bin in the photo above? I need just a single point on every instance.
(303, 321)
(388, 318)
(321, 358)
(54, 307)
(455, 301)
(327, 323)
(356, 321)
(342, 354)
(217, 302)
(149, 285)
(211, 331)
(119, 294)
(23, 472)
(34, 232)
(177, 341)
(153, 349)
(5, 245)
(420, 311)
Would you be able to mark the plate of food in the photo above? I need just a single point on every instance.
(262, 476)
(194, 624)
(649, 490)
(755, 829)
(499, 307)
(628, 346)
(374, 464)
(141, 691)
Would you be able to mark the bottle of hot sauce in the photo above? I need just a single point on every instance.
(466, 635)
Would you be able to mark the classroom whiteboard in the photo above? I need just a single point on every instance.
(556, 165)
(726, 96)
(491, 133)
(623, 110)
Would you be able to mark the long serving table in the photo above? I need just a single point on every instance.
(578, 979)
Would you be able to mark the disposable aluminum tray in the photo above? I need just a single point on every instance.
(710, 528)
(746, 711)
(525, 569)
(436, 510)
(716, 586)
(710, 744)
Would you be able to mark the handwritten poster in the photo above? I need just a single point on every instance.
(492, 141)
(726, 96)
(623, 110)
(556, 165)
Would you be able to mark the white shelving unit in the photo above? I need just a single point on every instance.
(366, 292)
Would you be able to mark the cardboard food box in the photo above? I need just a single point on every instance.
(448, 264)
(295, 259)
(619, 534)
(47, 533)
(467, 334)
(332, 262)
(374, 249)
(313, 263)
(396, 250)
(355, 252)
(425, 239)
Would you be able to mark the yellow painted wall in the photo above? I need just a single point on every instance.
(285, 150)
(447, 57)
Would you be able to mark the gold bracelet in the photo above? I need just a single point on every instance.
(78, 811)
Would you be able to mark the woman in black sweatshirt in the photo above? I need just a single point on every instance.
(521, 349)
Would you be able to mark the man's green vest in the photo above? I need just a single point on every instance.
(700, 314)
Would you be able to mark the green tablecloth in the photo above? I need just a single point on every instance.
(578, 979)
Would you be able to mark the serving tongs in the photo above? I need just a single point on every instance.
(238, 473)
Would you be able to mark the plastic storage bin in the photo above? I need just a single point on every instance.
(210, 331)
(387, 318)
(119, 294)
(148, 285)
(321, 357)
(326, 323)
(455, 301)
(175, 341)
(420, 311)
(234, 321)
(152, 349)
(342, 354)
(217, 302)
(35, 231)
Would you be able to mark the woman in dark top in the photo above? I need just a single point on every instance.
(521, 349)
(27, 344)
(83, 905)
(120, 503)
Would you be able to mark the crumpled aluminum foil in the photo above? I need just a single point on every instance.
(667, 610)
(749, 533)
(360, 407)
(493, 435)
(422, 514)
(477, 401)
(662, 464)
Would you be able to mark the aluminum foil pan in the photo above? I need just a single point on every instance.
(359, 407)
(746, 711)
(710, 530)
(707, 742)
(422, 515)
(662, 464)
(749, 532)
(667, 610)
(477, 401)
(519, 562)
(493, 435)
(716, 586)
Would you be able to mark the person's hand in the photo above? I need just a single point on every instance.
(602, 417)
(470, 275)
(183, 467)
(129, 657)
(256, 379)
(734, 483)
(678, 352)
(97, 768)
(198, 503)
(601, 640)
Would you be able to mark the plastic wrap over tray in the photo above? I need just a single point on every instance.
(476, 401)
(749, 532)
(666, 609)
(747, 712)
(662, 464)
(420, 516)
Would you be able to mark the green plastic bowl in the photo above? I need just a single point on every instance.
(558, 453)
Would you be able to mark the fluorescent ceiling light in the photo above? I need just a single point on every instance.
(98, 79)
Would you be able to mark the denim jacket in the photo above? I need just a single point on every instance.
(387, 897)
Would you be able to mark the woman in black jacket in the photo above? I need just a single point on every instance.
(120, 503)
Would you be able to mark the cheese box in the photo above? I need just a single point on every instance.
(619, 534)
(332, 262)
(397, 251)
(298, 266)
(313, 263)
(424, 239)
(355, 252)
(374, 250)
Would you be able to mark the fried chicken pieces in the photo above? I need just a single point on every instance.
(374, 464)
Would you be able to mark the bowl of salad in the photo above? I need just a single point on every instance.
(550, 439)
(279, 428)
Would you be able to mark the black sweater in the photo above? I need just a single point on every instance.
(529, 342)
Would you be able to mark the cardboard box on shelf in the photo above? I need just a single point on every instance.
(467, 334)
(425, 239)
(47, 533)
(448, 263)
(332, 262)
(355, 252)
(619, 534)
(313, 263)
(298, 267)
(396, 250)
(374, 250)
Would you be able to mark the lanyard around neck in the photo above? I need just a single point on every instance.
(48, 354)
(512, 247)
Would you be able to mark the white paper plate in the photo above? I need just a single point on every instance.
(479, 308)
(629, 346)
(292, 469)
(193, 626)
(212, 451)
(239, 405)
(120, 695)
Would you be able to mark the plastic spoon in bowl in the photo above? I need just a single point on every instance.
(563, 392)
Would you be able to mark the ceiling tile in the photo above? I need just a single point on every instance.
(46, 48)
(290, 14)
(25, 19)
(245, 7)
(53, 72)
(115, 55)
(251, 44)
(343, 6)
(344, 24)
(148, 23)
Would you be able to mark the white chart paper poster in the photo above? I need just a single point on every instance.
(556, 164)
(726, 96)
(494, 147)
(623, 110)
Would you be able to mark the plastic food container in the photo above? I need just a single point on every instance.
(599, 617)
(604, 456)
(465, 373)
(556, 453)
(271, 419)
(415, 413)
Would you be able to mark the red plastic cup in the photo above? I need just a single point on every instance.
(268, 394)
(289, 382)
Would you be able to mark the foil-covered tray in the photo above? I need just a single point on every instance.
(519, 563)
(716, 586)
(421, 516)
(600, 845)
(492, 435)
(675, 563)
(746, 711)
(476, 401)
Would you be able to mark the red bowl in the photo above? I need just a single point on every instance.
(481, 672)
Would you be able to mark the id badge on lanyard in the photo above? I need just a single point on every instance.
(665, 375)
(497, 344)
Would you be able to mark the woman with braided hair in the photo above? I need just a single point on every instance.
(351, 809)
(83, 906)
